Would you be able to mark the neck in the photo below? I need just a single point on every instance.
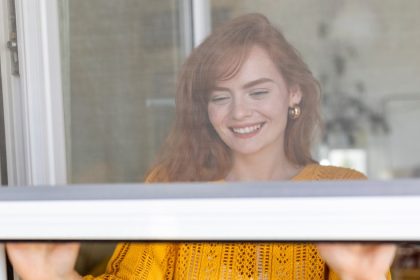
(262, 166)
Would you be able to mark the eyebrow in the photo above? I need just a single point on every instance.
(249, 84)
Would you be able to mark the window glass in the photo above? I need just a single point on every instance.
(119, 63)
(364, 54)
(120, 60)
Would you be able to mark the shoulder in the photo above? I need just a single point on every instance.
(339, 173)
(319, 172)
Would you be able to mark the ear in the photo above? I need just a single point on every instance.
(295, 95)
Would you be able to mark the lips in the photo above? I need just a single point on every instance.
(247, 130)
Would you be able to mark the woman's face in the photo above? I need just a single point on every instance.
(250, 111)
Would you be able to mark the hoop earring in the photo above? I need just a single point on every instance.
(294, 112)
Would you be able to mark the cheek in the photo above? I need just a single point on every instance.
(281, 106)
(216, 115)
(276, 110)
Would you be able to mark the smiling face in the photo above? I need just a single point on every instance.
(250, 110)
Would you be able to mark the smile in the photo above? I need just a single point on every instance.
(247, 129)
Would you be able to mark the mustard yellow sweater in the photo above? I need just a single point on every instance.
(217, 260)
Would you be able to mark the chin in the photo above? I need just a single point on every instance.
(246, 151)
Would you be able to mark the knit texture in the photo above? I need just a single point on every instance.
(223, 260)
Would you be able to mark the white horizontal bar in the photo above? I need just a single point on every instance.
(391, 218)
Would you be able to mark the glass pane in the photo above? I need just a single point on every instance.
(364, 53)
(120, 60)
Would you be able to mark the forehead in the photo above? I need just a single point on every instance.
(256, 65)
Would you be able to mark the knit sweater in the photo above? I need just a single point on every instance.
(227, 260)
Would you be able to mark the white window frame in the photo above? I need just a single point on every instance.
(34, 112)
(34, 118)
(358, 210)
(13, 107)
(201, 20)
(34, 115)
(33, 105)
(33, 101)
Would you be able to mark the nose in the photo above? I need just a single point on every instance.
(240, 109)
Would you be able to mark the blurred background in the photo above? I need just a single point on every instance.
(120, 63)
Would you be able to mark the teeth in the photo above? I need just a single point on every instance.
(248, 129)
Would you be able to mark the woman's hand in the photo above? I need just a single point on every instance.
(33, 261)
(358, 261)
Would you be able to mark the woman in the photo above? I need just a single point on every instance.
(247, 106)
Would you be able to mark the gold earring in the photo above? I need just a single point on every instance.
(294, 112)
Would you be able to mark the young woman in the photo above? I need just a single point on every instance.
(247, 106)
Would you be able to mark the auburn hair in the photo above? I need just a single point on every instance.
(193, 151)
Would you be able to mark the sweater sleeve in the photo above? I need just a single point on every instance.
(140, 261)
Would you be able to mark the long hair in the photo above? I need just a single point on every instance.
(193, 151)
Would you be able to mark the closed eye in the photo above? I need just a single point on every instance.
(259, 93)
(221, 99)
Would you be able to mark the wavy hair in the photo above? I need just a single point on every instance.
(193, 151)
